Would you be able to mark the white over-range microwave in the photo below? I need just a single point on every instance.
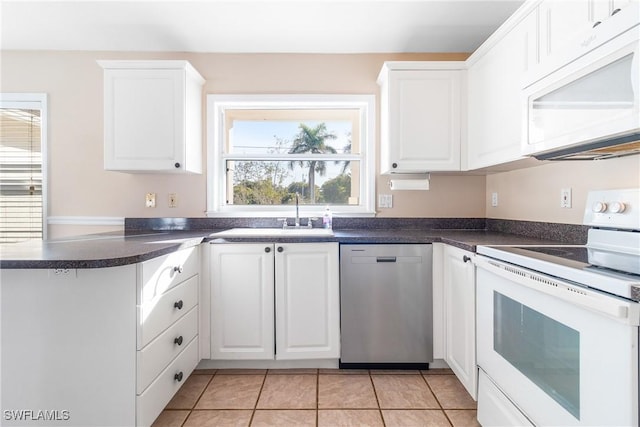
(590, 107)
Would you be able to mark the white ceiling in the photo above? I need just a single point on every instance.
(243, 26)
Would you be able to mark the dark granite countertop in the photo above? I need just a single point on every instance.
(96, 250)
(119, 248)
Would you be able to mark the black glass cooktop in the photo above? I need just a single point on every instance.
(579, 254)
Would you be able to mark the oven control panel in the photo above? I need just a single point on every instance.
(619, 209)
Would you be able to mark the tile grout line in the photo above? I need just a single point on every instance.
(199, 397)
(375, 393)
(255, 406)
(432, 392)
(437, 400)
(318, 398)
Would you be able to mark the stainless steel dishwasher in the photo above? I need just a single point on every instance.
(386, 309)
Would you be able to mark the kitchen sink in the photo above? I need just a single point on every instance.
(275, 232)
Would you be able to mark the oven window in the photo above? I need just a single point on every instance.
(544, 350)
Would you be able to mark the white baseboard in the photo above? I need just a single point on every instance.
(86, 220)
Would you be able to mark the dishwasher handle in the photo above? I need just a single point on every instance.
(386, 259)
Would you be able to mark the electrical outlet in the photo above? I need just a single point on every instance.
(385, 200)
(173, 200)
(494, 199)
(150, 200)
(565, 198)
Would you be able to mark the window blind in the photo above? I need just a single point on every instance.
(20, 175)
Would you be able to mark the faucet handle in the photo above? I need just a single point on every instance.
(310, 222)
(284, 222)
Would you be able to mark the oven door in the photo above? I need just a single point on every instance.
(562, 354)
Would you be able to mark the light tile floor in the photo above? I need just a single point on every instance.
(320, 397)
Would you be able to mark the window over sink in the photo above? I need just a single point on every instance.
(264, 150)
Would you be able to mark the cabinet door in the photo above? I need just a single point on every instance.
(424, 119)
(307, 301)
(144, 124)
(561, 21)
(460, 316)
(242, 301)
(494, 97)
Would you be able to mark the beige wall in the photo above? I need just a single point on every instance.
(533, 194)
(79, 187)
(73, 80)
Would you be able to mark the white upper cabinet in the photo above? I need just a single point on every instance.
(152, 116)
(495, 96)
(421, 116)
(561, 21)
(567, 29)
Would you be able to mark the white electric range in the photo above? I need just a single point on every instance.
(557, 326)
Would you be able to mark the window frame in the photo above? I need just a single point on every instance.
(216, 156)
(35, 101)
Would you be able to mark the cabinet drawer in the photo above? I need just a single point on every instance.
(158, 314)
(161, 351)
(150, 403)
(161, 274)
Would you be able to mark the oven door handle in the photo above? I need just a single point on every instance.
(623, 311)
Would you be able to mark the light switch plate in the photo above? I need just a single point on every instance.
(494, 199)
(565, 198)
(150, 200)
(385, 200)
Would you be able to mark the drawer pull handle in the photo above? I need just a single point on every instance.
(178, 376)
(267, 249)
(178, 269)
(466, 258)
(596, 24)
(178, 305)
(178, 340)
(280, 249)
(615, 11)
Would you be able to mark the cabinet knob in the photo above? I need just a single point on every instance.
(178, 305)
(178, 376)
(394, 165)
(280, 249)
(615, 11)
(596, 24)
(178, 269)
(178, 340)
(267, 249)
(177, 165)
(466, 258)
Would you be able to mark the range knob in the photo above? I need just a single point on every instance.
(599, 207)
(617, 207)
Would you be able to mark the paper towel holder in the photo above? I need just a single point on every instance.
(414, 181)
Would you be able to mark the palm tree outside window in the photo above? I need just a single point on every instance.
(265, 149)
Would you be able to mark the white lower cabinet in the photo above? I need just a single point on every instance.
(291, 289)
(460, 316)
(97, 347)
(167, 332)
(242, 304)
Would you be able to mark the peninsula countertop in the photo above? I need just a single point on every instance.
(122, 248)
